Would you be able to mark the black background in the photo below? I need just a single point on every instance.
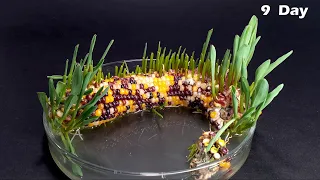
(37, 36)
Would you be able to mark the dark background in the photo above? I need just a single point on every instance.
(37, 36)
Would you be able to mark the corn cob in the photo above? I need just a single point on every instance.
(139, 92)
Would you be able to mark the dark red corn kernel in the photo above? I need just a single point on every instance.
(130, 91)
(115, 110)
(141, 86)
(223, 150)
(137, 91)
(118, 91)
(103, 100)
(170, 88)
(123, 102)
(158, 94)
(122, 86)
(135, 98)
(89, 97)
(112, 116)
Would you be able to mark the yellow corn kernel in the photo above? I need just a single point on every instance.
(123, 108)
(122, 91)
(154, 94)
(110, 92)
(171, 78)
(213, 150)
(132, 108)
(133, 86)
(225, 165)
(119, 108)
(194, 88)
(111, 98)
(213, 114)
(98, 112)
(130, 102)
(133, 92)
(143, 106)
(221, 142)
(144, 96)
(205, 104)
(108, 99)
(100, 106)
(126, 92)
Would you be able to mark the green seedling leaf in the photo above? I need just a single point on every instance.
(272, 95)
(116, 72)
(71, 100)
(261, 71)
(86, 113)
(76, 169)
(278, 62)
(60, 90)
(77, 81)
(234, 102)
(43, 101)
(260, 93)
(55, 77)
(89, 120)
(213, 63)
(252, 49)
(84, 61)
(245, 117)
(245, 89)
(52, 93)
(85, 83)
(87, 92)
(65, 71)
(219, 133)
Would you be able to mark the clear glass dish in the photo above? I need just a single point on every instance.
(144, 146)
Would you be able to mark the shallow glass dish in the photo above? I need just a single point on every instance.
(143, 146)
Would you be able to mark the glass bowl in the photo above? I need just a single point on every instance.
(143, 146)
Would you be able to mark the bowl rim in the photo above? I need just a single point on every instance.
(51, 137)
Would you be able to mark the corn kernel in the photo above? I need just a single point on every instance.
(110, 92)
(123, 108)
(126, 92)
(133, 87)
(98, 112)
(154, 94)
(100, 106)
(225, 165)
(213, 150)
(221, 142)
(213, 114)
(119, 108)
(122, 91)
(194, 88)
(206, 140)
